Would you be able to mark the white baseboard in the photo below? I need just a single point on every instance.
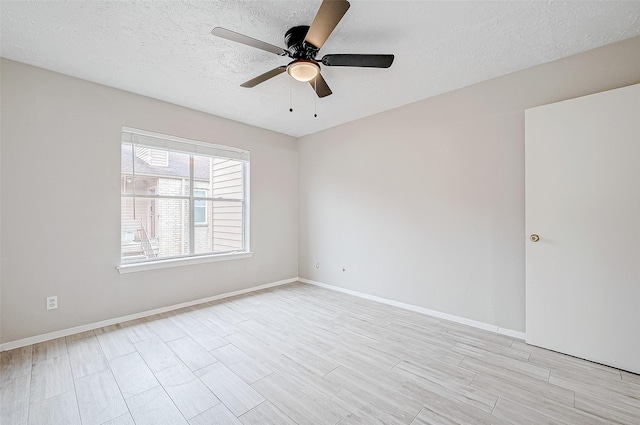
(511, 333)
(474, 323)
(83, 328)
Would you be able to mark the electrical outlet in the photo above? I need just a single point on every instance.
(52, 302)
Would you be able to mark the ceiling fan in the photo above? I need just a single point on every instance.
(303, 43)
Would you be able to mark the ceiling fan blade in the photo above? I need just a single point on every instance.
(328, 16)
(320, 86)
(243, 39)
(366, 61)
(264, 77)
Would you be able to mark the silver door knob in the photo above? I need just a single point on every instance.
(534, 238)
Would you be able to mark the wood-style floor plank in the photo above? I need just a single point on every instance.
(132, 374)
(138, 330)
(554, 410)
(298, 354)
(14, 400)
(461, 394)
(575, 379)
(154, 407)
(162, 325)
(517, 414)
(266, 414)
(15, 363)
(285, 366)
(630, 377)
(366, 408)
(114, 341)
(99, 398)
(504, 362)
(51, 377)
(156, 354)
(189, 394)
(59, 410)
(218, 415)
(304, 406)
(85, 354)
(236, 394)
(198, 330)
(121, 420)
(49, 350)
(613, 408)
(191, 353)
(440, 409)
(510, 383)
(242, 365)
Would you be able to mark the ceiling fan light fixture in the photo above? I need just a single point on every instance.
(303, 70)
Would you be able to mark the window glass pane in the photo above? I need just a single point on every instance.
(223, 232)
(203, 231)
(227, 178)
(129, 237)
(227, 225)
(137, 229)
(199, 215)
(156, 228)
(155, 174)
(173, 227)
(200, 212)
(126, 159)
(200, 207)
(143, 185)
(202, 169)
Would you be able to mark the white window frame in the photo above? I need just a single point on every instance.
(193, 147)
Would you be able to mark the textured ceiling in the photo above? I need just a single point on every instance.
(164, 49)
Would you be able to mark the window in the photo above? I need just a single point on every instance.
(199, 206)
(181, 198)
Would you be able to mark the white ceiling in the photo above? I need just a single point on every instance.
(164, 49)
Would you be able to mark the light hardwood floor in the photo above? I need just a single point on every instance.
(299, 354)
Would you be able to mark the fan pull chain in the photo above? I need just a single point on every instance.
(315, 99)
(290, 95)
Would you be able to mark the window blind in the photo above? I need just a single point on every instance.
(179, 144)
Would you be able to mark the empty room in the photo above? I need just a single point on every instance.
(319, 212)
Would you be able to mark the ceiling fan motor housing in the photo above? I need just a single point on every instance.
(299, 49)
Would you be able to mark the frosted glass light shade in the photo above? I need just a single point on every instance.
(303, 70)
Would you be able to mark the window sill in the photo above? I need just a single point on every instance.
(176, 262)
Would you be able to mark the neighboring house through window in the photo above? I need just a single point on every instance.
(181, 198)
(199, 207)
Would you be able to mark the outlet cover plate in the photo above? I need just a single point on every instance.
(52, 302)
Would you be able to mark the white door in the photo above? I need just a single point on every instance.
(583, 201)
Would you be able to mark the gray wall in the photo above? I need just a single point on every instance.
(60, 174)
(424, 204)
